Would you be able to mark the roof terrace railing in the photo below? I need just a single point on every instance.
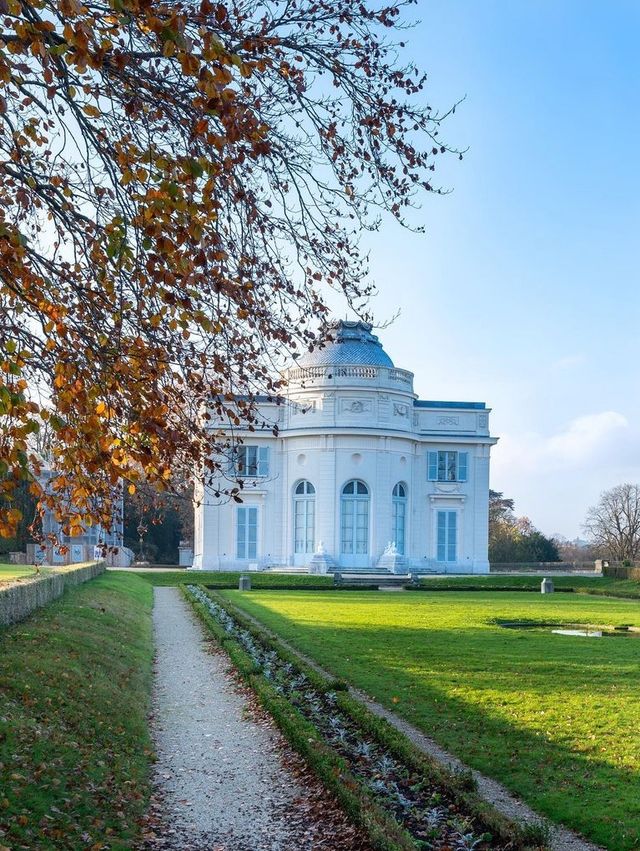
(370, 373)
(401, 375)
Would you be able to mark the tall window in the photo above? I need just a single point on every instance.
(447, 466)
(247, 532)
(304, 517)
(354, 519)
(447, 535)
(399, 516)
(251, 461)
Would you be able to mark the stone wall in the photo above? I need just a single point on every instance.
(618, 571)
(18, 601)
(544, 567)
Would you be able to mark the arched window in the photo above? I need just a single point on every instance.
(354, 519)
(399, 515)
(304, 517)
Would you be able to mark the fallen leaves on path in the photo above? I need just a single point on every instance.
(315, 820)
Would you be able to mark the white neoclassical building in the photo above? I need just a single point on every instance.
(362, 474)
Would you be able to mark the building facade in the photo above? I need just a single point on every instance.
(361, 474)
(58, 548)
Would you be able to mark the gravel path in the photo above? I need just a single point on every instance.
(224, 778)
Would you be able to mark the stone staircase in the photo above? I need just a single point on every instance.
(383, 579)
(365, 576)
(285, 570)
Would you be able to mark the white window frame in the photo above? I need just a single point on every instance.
(251, 461)
(359, 508)
(304, 510)
(447, 542)
(399, 512)
(447, 465)
(243, 549)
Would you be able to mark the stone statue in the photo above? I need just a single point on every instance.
(320, 562)
(391, 559)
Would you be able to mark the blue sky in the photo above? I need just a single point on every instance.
(524, 291)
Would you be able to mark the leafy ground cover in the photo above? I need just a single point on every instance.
(552, 717)
(75, 681)
(229, 579)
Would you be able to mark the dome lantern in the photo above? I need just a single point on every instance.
(350, 343)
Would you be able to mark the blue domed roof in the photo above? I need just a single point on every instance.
(351, 343)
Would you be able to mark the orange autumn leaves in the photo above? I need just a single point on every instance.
(177, 195)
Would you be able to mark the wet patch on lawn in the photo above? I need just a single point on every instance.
(572, 629)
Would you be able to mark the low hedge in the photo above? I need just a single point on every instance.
(600, 586)
(229, 579)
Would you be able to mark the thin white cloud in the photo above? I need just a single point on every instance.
(555, 478)
(585, 440)
(568, 362)
(587, 437)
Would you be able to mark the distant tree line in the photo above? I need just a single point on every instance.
(515, 539)
(612, 527)
(613, 524)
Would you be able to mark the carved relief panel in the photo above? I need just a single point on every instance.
(302, 408)
(356, 406)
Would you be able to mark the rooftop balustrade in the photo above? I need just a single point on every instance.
(382, 376)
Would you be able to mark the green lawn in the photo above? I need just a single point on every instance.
(555, 718)
(9, 572)
(75, 682)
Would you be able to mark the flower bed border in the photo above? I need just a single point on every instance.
(385, 833)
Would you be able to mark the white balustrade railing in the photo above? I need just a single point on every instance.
(402, 376)
(369, 373)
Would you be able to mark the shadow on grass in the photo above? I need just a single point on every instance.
(553, 718)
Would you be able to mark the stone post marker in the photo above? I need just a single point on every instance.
(546, 586)
(245, 583)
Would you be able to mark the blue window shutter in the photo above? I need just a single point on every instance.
(463, 460)
(263, 461)
(432, 473)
